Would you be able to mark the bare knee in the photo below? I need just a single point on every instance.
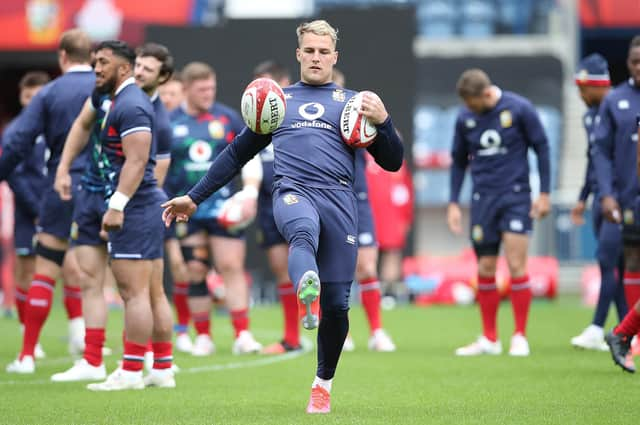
(487, 266)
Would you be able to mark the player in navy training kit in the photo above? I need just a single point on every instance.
(593, 81)
(26, 183)
(616, 138)
(51, 113)
(202, 128)
(153, 65)
(314, 203)
(172, 92)
(492, 136)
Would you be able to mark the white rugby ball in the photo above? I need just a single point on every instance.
(263, 106)
(356, 130)
(230, 215)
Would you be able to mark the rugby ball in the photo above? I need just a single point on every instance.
(263, 106)
(230, 215)
(356, 130)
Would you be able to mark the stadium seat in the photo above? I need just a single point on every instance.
(478, 19)
(515, 15)
(436, 18)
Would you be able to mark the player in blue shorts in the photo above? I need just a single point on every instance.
(493, 133)
(616, 139)
(593, 82)
(314, 204)
(153, 64)
(26, 183)
(51, 112)
(202, 128)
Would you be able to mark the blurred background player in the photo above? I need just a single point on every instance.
(620, 338)
(51, 112)
(202, 128)
(153, 65)
(593, 82)
(615, 166)
(314, 202)
(27, 182)
(367, 262)
(172, 92)
(493, 132)
(269, 236)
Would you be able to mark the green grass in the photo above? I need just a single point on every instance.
(421, 383)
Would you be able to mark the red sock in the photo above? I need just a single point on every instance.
(288, 298)
(73, 301)
(93, 342)
(370, 294)
(133, 357)
(201, 322)
(240, 320)
(631, 288)
(162, 355)
(36, 311)
(21, 301)
(489, 300)
(520, 302)
(630, 325)
(180, 302)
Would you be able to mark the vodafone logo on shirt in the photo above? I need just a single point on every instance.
(311, 111)
(200, 151)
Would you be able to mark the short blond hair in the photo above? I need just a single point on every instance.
(194, 71)
(317, 27)
(472, 83)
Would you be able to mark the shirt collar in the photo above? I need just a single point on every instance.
(498, 91)
(80, 68)
(124, 84)
(154, 96)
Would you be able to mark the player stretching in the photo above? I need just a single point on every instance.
(153, 65)
(314, 204)
(593, 81)
(26, 183)
(492, 136)
(51, 112)
(202, 128)
(616, 139)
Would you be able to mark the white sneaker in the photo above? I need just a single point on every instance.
(245, 343)
(81, 371)
(481, 346)
(76, 336)
(183, 343)
(120, 380)
(381, 341)
(24, 365)
(592, 338)
(38, 352)
(161, 378)
(348, 345)
(519, 346)
(148, 360)
(203, 346)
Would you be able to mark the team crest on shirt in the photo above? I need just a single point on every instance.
(476, 233)
(338, 95)
(216, 129)
(290, 199)
(200, 151)
(73, 233)
(506, 120)
(628, 217)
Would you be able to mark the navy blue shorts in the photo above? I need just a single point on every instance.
(87, 218)
(336, 213)
(210, 226)
(609, 236)
(495, 214)
(366, 229)
(268, 233)
(55, 214)
(24, 232)
(631, 223)
(142, 234)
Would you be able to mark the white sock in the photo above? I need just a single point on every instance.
(324, 383)
(596, 329)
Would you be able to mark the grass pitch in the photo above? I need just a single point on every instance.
(422, 383)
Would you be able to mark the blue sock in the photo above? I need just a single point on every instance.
(334, 326)
(302, 257)
(607, 290)
(618, 297)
